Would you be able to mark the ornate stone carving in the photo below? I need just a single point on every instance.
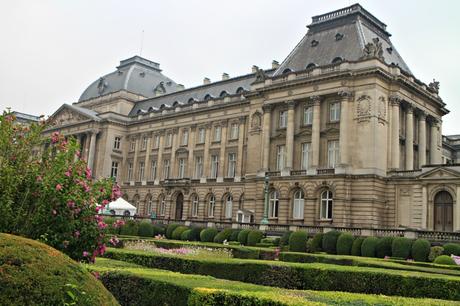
(67, 116)
(395, 99)
(315, 99)
(345, 94)
(363, 108)
(382, 108)
(260, 75)
(434, 86)
(102, 85)
(159, 89)
(256, 120)
(373, 49)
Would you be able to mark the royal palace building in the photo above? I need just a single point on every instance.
(341, 132)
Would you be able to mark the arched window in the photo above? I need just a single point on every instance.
(212, 206)
(337, 60)
(190, 101)
(150, 109)
(148, 205)
(311, 65)
(161, 205)
(443, 211)
(240, 90)
(223, 94)
(286, 71)
(274, 204)
(175, 103)
(228, 206)
(207, 97)
(326, 205)
(298, 205)
(195, 206)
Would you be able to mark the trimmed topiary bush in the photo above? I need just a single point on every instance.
(420, 250)
(234, 235)
(170, 229)
(254, 237)
(223, 235)
(243, 236)
(158, 230)
(130, 228)
(356, 247)
(298, 241)
(177, 233)
(330, 242)
(451, 248)
(285, 238)
(435, 252)
(195, 234)
(317, 243)
(401, 247)
(344, 244)
(208, 234)
(185, 235)
(368, 246)
(383, 247)
(145, 229)
(444, 260)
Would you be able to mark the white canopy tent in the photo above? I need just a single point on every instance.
(120, 207)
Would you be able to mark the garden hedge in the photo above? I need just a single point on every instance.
(223, 235)
(401, 247)
(130, 228)
(145, 229)
(243, 236)
(170, 229)
(317, 242)
(208, 234)
(254, 237)
(298, 241)
(383, 247)
(330, 242)
(356, 247)
(300, 276)
(234, 235)
(420, 250)
(177, 233)
(444, 260)
(451, 248)
(345, 243)
(185, 235)
(368, 246)
(435, 251)
(284, 240)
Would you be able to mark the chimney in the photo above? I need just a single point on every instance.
(225, 76)
(275, 64)
(180, 87)
(206, 81)
(254, 68)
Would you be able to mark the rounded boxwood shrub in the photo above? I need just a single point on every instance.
(145, 229)
(195, 234)
(177, 233)
(451, 248)
(356, 247)
(444, 260)
(158, 230)
(383, 247)
(223, 235)
(243, 236)
(344, 244)
(317, 243)
(368, 246)
(254, 237)
(401, 247)
(208, 234)
(330, 242)
(33, 273)
(435, 251)
(170, 229)
(234, 235)
(420, 250)
(285, 238)
(298, 241)
(185, 236)
(130, 228)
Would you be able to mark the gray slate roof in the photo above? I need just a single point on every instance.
(358, 28)
(136, 74)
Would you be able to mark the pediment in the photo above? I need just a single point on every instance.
(67, 115)
(440, 173)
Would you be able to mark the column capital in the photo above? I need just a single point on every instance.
(410, 108)
(223, 122)
(193, 127)
(421, 114)
(291, 104)
(432, 120)
(316, 100)
(242, 119)
(395, 99)
(345, 94)
(267, 108)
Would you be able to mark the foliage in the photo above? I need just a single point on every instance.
(223, 235)
(48, 192)
(254, 237)
(243, 236)
(32, 273)
(234, 235)
(170, 229)
(298, 241)
(330, 242)
(401, 247)
(420, 250)
(368, 246)
(272, 241)
(451, 248)
(158, 230)
(435, 251)
(444, 260)
(317, 242)
(356, 247)
(130, 228)
(383, 247)
(185, 235)
(208, 234)
(176, 234)
(344, 244)
(195, 234)
(285, 238)
(145, 229)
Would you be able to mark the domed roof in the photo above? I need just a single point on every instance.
(136, 75)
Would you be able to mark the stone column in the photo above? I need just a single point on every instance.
(159, 175)
(191, 146)
(423, 223)
(136, 157)
(421, 139)
(239, 158)
(266, 134)
(92, 150)
(289, 139)
(395, 101)
(344, 142)
(315, 131)
(147, 168)
(435, 154)
(410, 138)
(175, 139)
(223, 144)
(207, 143)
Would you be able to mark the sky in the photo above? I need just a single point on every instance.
(50, 51)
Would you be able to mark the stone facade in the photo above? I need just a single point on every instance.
(356, 142)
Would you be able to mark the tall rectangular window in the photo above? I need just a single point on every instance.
(184, 138)
(231, 165)
(116, 143)
(114, 170)
(214, 165)
(157, 141)
(153, 170)
(166, 165)
(168, 140)
(198, 166)
(141, 171)
(144, 142)
(334, 112)
(217, 133)
(201, 135)
(130, 171)
(282, 119)
(308, 115)
(280, 157)
(132, 145)
(305, 155)
(181, 169)
(234, 131)
(333, 153)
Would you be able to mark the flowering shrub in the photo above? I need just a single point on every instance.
(48, 192)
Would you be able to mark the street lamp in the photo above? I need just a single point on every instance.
(266, 186)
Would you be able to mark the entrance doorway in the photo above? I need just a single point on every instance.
(179, 206)
(443, 212)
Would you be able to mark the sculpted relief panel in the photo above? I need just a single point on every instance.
(366, 109)
(66, 117)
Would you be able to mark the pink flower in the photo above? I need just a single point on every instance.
(101, 225)
(85, 254)
(96, 274)
(386, 257)
(114, 240)
(70, 204)
(58, 187)
(118, 223)
(88, 173)
(77, 234)
(78, 153)
(67, 173)
(105, 202)
(39, 178)
(55, 137)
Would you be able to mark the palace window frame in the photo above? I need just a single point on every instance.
(117, 143)
(195, 205)
(326, 205)
(228, 206)
(298, 205)
(211, 206)
(308, 115)
(274, 203)
(334, 112)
